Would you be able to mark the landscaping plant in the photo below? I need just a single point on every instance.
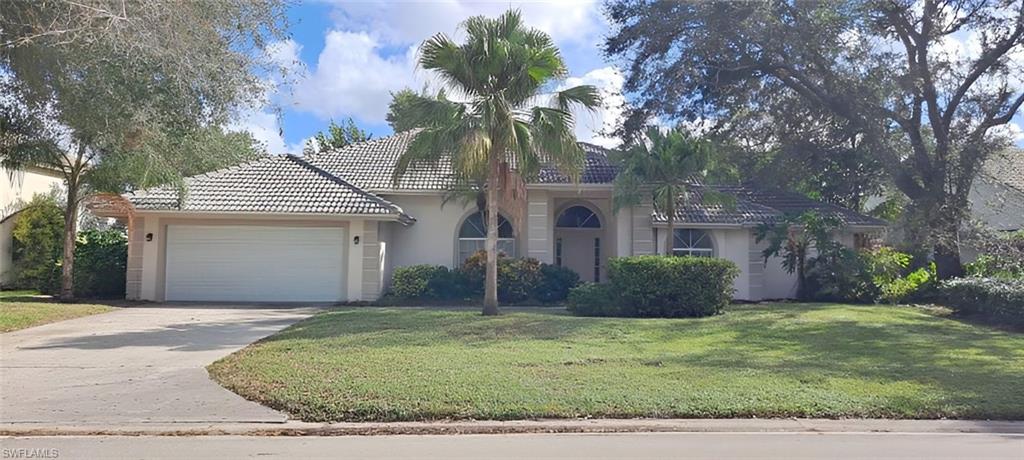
(496, 133)
(660, 286)
(996, 298)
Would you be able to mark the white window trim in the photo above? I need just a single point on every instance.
(696, 252)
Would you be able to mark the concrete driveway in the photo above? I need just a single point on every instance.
(134, 365)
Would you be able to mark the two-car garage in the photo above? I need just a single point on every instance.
(245, 263)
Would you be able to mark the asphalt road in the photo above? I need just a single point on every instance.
(590, 446)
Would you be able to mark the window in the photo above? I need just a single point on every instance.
(689, 242)
(473, 236)
(597, 260)
(861, 241)
(578, 217)
(558, 252)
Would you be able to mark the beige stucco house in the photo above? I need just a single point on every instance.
(332, 227)
(16, 188)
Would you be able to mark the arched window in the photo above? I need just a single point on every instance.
(690, 242)
(578, 217)
(473, 236)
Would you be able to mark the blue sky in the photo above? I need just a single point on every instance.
(348, 56)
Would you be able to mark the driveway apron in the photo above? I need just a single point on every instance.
(134, 365)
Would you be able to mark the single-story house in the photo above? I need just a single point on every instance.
(997, 196)
(332, 227)
(17, 187)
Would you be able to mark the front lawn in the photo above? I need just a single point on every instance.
(22, 309)
(755, 360)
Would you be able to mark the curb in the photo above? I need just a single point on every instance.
(525, 427)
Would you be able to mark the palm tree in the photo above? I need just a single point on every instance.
(666, 166)
(501, 124)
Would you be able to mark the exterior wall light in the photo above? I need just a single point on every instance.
(355, 239)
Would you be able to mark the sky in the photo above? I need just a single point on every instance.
(347, 57)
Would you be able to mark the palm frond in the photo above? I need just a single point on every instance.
(583, 96)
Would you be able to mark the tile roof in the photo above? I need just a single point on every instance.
(597, 168)
(1007, 167)
(756, 205)
(274, 184)
(371, 164)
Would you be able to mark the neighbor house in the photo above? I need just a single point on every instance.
(333, 226)
(17, 187)
(997, 196)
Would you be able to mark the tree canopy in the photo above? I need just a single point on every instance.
(501, 130)
(92, 84)
(336, 137)
(889, 73)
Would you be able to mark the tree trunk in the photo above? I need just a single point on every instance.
(491, 278)
(67, 278)
(947, 253)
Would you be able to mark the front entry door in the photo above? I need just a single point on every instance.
(582, 252)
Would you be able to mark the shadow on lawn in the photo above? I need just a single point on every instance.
(973, 365)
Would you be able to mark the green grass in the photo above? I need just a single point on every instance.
(22, 309)
(755, 360)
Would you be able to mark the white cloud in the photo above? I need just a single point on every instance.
(352, 78)
(597, 127)
(1012, 131)
(265, 127)
(411, 22)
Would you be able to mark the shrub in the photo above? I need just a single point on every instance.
(517, 277)
(427, 282)
(1001, 255)
(448, 284)
(100, 261)
(555, 283)
(38, 239)
(591, 299)
(413, 282)
(666, 286)
(999, 298)
(883, 274)
(841, 275)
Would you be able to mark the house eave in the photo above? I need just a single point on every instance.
(401, 218)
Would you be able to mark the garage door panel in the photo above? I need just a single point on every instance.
(246, 263)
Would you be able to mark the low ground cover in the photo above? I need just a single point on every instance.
(773, 360)
(22, 309)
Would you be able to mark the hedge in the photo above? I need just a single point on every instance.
(999, 298)
(519, 280)
(668, 286)
(591, 299)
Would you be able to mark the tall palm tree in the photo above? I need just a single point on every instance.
(666, 166)
(501, 123)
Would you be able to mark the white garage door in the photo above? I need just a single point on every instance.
(249, 264)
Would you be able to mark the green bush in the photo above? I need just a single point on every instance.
(38, 236)
(555, 283)
(841, 275)
(883, 274)
(517, 277)
(1001, 254)
(591, 299)
(998, 298)
(100, 261)
(666, 286)
(413, 282)
(427, 282)
(448, 284)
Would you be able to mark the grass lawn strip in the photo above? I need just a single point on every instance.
(777, 360)
(20, 310)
